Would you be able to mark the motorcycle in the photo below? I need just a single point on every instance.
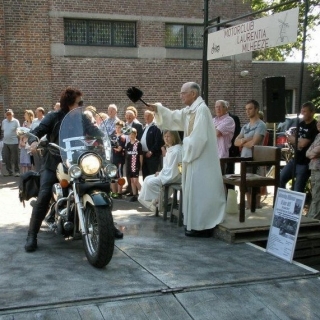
(81, 206)
(281, 142)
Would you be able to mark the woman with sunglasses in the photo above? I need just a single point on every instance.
(70, 99)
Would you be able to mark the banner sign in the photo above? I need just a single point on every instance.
(272, 31)
(285, 224)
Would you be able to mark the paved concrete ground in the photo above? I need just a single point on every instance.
(156, 273)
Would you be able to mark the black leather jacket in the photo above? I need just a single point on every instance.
(49, 126)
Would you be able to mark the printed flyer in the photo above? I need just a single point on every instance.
(285, 223)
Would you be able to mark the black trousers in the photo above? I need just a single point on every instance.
(47, 180)
(150, 165)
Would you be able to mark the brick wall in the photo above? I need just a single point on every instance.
(27, 54)
(291, 71)
(35, 75)
(3, 78)
(105, 81)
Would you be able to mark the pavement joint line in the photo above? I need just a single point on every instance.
(144, 268)
(173, 291)
(298, 264)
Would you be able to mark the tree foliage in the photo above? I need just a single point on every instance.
(314, 68)
(281, 52)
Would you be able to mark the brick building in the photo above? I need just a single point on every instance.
(104, 47)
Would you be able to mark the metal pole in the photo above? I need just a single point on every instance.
(204, 85)
(305, 24)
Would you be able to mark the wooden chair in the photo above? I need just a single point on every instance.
(248, 178)
(177, 188)
(165, 199)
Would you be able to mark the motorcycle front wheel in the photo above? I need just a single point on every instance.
(99, 239)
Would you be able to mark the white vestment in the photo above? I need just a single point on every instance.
(169, 174)
(204, 198)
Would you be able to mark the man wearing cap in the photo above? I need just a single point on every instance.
(10, 143)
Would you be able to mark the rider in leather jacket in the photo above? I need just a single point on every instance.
(70, 99)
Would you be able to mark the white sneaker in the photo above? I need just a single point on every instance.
(153, 208)
(154, 202)
(17, 174)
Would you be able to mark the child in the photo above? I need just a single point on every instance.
(25, 159)
(118, 158)
(134, 159)
(169, 174)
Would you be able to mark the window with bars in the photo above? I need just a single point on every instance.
(99, 33)
(184, 36)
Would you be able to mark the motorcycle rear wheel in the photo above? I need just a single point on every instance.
(99, 241)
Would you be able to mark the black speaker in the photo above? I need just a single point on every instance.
(274, 99)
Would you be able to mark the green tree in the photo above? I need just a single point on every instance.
(281, 52)
(315, 90)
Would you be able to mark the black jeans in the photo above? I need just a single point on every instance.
(150, 165)
(47, 180)
(10, 154)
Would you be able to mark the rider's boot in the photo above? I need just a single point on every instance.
(117, 233)
(34, 227)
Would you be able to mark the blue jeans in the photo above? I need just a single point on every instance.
(302, 174)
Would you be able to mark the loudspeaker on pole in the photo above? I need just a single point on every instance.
(274, 99)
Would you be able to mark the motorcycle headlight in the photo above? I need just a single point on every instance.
(74, 171)
(111, 170)
(90, 164)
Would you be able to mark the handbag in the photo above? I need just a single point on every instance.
(29, 186)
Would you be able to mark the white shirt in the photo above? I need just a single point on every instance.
(144, 138)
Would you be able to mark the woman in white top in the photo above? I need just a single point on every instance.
(152, 184)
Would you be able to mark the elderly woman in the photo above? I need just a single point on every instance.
(169, 174)
(313, 153)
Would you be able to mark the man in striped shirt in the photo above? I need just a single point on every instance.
(225, 127)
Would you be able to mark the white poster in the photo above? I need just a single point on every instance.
(285, 223)
(272, 31)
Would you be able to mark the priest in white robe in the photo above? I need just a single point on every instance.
(204, 196)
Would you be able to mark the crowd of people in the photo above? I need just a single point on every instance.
(151, 152)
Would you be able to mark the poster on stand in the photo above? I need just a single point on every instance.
(285, 223)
